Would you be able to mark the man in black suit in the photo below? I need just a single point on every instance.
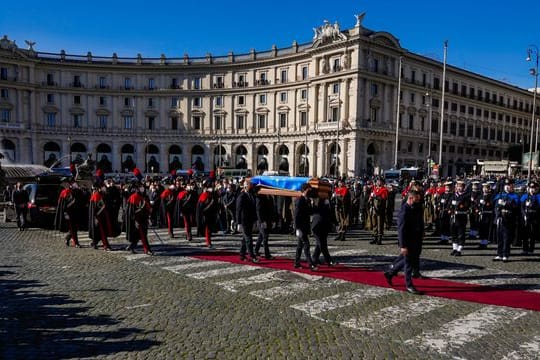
(410, 223)
(265, 217)
(302, 212)
(246, 216)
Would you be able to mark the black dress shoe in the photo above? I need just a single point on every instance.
(297, 266)
(414, 291)
(255, 260)
(453, 253)
(332, 263)
(313, 267)
(242, 258)
(373, 242)
(458, 253)
(388, 277)
(269, 257)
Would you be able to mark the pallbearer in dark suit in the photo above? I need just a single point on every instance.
(321, 223)
(246, 216)
(265, 216)
(410, 224)
(302, 212)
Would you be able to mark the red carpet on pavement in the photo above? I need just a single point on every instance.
(431, 287)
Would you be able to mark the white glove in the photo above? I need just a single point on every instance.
(298, 233)
(239, 227)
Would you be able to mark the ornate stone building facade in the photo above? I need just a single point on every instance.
(326, 107)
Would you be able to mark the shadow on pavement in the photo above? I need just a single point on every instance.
(54, 326)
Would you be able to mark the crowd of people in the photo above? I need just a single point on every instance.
(491, 212)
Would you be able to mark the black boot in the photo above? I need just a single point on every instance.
(374, 241)
(379, 240)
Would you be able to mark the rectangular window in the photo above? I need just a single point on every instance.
(303, 94)
(420, 148)
(174, 123)
(217, 122)
(453, 128)
(485, 133)
(304, 73)
(174, 83)
(262, 99)
(219, 100)
(373, 114)
(50, 98)
(51, 119)
(335, 88)
(334, 113)
(470, 131)
(374, 90)
(150, 102)
(102, 82)
(241, 100)
(261, 121)
(3, 73)
(197, 83)
(5, 115)
(413, 76)
(102, 119)
(411, 122)
(412, 98)
(175, 102)
(240, 122)
(336, 65)
(197, 102)
(127, 102)
(4, 93)
(219, 82)
(102, 101)
(461, 130)
(77, 121)
(283, 120)
(77, 100)
(50, 79)
(151, 123)
(128, 122)
(77, 81)
(434, 125)
(283, 77)
(303, 118)
(283, 96)
(151, 84)
(197, 122)
(127, 83)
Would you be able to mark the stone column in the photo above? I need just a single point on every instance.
(320, 158)
(116, 158)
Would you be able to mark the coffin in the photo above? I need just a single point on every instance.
(290, 185)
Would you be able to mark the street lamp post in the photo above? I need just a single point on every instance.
(69, 150)
(533, 50)
(146, 141)
(441, 125)
(430, 114)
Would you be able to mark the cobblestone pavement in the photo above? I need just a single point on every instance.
(59, 303)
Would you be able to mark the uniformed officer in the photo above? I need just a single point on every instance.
(443, 212)
(530, 216)
(459, 211)
(343, 202)
(378, 199)
(506, 216)
(485, 216)
(476, 195)
(429, 205)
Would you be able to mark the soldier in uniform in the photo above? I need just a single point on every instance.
(378, 199)
(137, 215)
(476, 194)
(186, 204)
(444, 212)
(69, 212)
(459, 207)
(530, 217)
(485, 216)
(390, 206)
(207, 208)
(363, 204)
(302, 213)
(429, 205)
(342, 199)
(168, 207)
(506, 217)
(99, 220)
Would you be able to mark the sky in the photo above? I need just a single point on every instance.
(490, 38)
